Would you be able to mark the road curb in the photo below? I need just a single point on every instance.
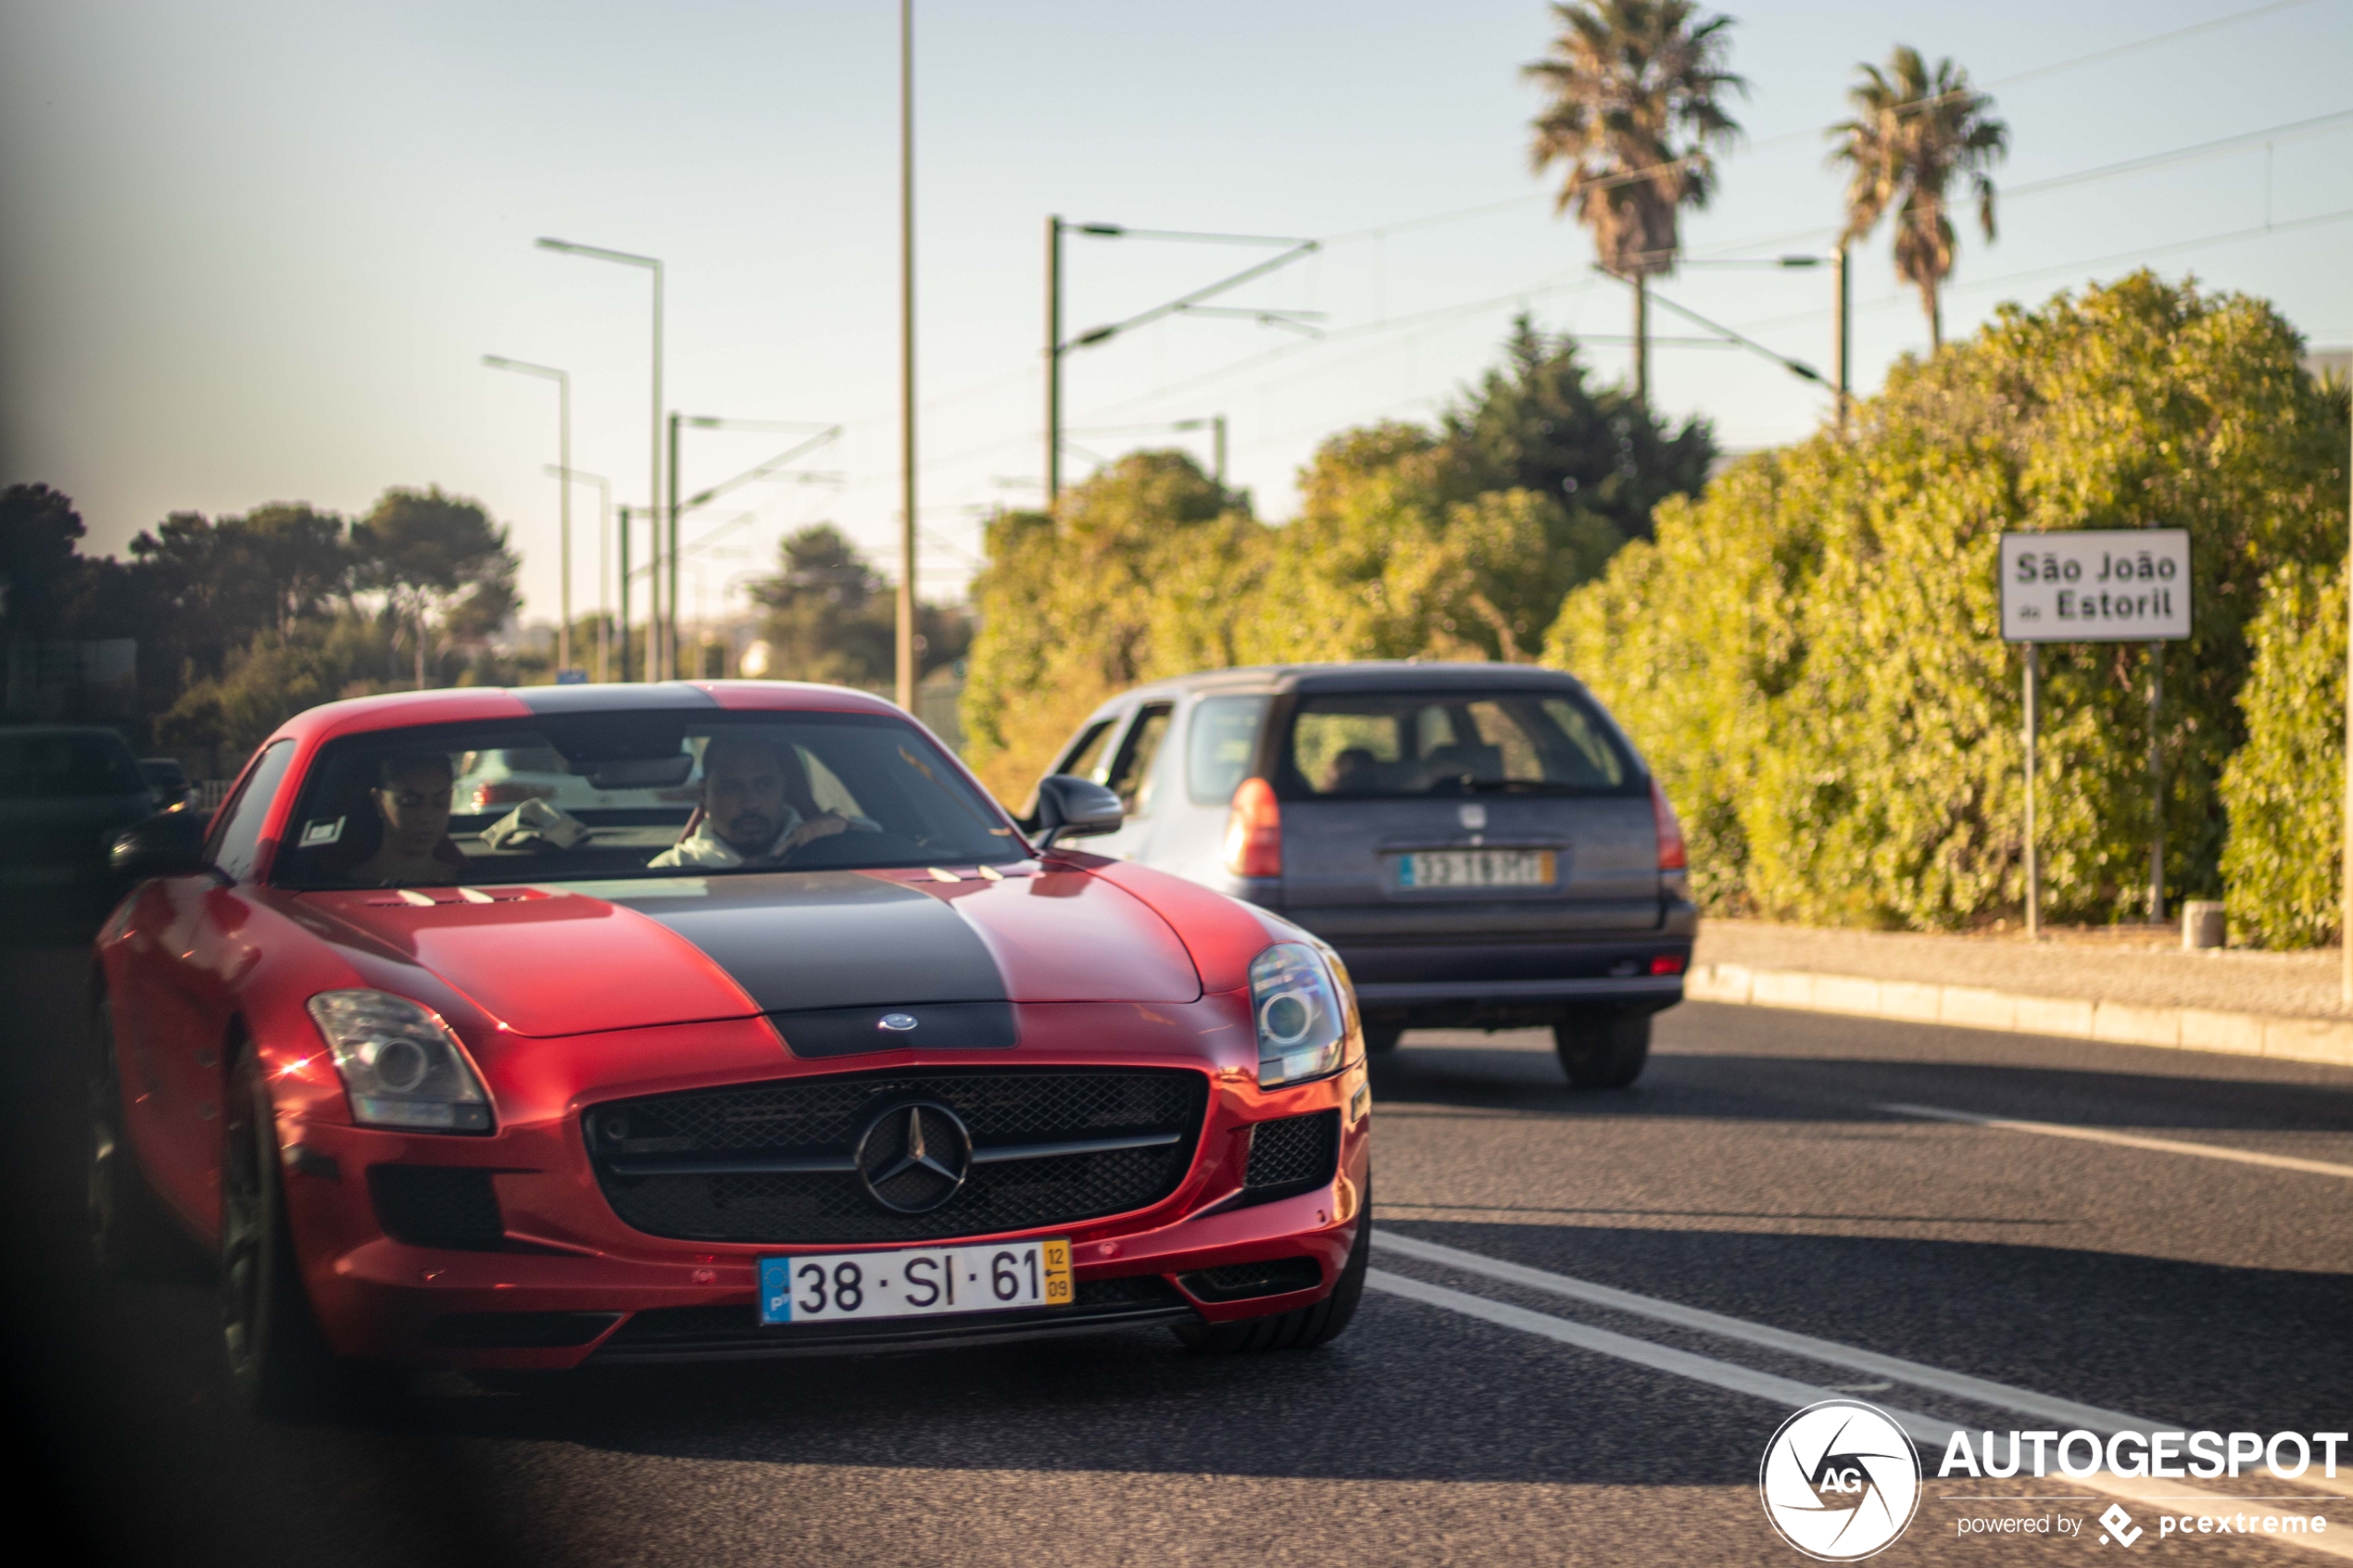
(2327, 1040)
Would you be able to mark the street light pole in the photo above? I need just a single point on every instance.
(563, 490)
(905, 650)
(670, 643)
(653, 476)
(622, 630)
(1842, 329)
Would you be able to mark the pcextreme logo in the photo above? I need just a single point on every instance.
(1840, 1481)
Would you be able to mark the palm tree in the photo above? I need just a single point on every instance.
(1911, 133)
(1636, 89)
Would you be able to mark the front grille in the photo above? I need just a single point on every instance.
(447, 1206)
(816, 1121)
(1293, 1154)
(706, 1331)
(1239, 1282)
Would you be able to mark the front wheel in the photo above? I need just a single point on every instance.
(1603, 1050)
(1301, 1328)
(278, 1363)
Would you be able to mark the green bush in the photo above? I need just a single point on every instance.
(1810, 654)
(2284, 788)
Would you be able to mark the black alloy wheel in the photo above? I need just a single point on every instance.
(1301, 1328)
(278, 1363)
(1603, 1050)
(127, 1229)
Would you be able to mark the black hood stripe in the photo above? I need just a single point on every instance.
(806, 941)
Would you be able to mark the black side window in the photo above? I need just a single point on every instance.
(1084, 759)
(236, 833)
(1131, 777)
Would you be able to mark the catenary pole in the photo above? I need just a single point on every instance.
(1053, 360)
(1842, 325)
(622, 630)
(670, 642)
(905, 660)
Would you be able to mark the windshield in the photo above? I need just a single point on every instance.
(606, 795)
(1386, 745)
(57, 766)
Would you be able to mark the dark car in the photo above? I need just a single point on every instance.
(1480, 842)
(66, 791)
(822, 1056)
(168, 779)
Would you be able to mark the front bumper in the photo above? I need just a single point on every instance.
(561, 1281)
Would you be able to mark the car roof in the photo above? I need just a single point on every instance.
(1369, 674)
(457, 705)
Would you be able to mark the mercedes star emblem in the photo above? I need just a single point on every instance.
(914, 1157)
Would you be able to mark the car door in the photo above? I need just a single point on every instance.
(1134, 775)
(196, 955)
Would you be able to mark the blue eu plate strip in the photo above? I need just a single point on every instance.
(775, 1290)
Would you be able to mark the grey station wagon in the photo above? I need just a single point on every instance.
(1480, 842)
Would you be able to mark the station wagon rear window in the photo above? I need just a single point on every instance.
(1405, 745)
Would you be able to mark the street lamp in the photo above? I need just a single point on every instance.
(604, 556)
(563, 491)
(653, 477)
(1056, 347)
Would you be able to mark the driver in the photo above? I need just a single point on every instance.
(746, 818)
(412, 797)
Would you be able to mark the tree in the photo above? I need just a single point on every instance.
(1810, 654)
(38, 565)
(1536, 425)
(1637, 89)
(833, 617)
(426, 552)
(1912, 133)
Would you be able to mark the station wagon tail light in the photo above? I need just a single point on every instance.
(1254, 830)
(1672, 856)
(402, 1065)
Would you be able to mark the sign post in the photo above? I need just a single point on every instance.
(2097, 585)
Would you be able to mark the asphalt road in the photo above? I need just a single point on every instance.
(1473, 1414)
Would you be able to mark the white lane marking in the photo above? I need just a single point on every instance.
(1980, 1390)
(2125, 1140)
(1923, 1429)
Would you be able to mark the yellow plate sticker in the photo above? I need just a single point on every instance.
(1055, 1255)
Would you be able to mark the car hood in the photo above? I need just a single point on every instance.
(578, 958)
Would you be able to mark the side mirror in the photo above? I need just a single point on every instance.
(168, 844)
(1075, 808)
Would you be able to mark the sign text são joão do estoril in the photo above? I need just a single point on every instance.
(2107, 586)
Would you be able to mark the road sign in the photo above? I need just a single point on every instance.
(2097, 585)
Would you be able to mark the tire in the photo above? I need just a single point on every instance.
(1301, 1328)
(129, 1231)
(1381, 1038)
(278, 1363)
(1603, 1050)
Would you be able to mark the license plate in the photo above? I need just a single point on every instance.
(915, 1282)
(1430, 869)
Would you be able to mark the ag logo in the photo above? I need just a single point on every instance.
(1840, 1481)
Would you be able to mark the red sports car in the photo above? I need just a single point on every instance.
(523, 1029)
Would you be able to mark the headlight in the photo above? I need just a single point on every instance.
(400, 1063)
(1301, 1012)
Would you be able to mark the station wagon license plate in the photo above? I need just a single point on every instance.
(1430, 869)
(915, 1282)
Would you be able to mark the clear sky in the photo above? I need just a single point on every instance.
(255, 251)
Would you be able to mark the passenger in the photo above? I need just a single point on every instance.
(747, 817)
(1351, 771)
(411, 799)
